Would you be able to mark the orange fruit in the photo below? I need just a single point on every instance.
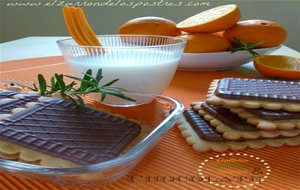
(150, 26)
(219, 33)
(278, 66)
(212, 20)
(204, 43)
(252, 31)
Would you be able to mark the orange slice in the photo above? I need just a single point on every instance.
(278, 66)
(212, 20)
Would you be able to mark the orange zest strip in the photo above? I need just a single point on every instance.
(86, 28)
(77, 28)
(71, 27)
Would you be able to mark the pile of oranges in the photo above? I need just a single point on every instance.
(211, 30)
(215, 30)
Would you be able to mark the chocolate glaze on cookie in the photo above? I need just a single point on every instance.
(66, 130)
(258, 89)
(228, 118)
(7, 94)
(202, 128)
(19, 102)
(273, 114)
(208, 133)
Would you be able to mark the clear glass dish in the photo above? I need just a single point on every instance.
(163, 114)
(142, 63)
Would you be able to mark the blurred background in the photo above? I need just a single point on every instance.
(23, 18)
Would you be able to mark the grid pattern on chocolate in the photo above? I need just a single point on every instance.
(273, 114)
(201, 127)
(259, 89)
(228, 118)
(66, 130)
(16, 103)
(7, 94)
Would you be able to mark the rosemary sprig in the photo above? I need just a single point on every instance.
(88, 84)
(240, 45)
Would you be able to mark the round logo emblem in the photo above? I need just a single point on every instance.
(234, 170)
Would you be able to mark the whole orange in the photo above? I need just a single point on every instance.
(204, 43)
(219, 33)
(150, 26)
(252, 31)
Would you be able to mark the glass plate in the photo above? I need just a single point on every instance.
(160, 115)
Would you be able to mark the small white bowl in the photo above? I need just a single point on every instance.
(219, 60)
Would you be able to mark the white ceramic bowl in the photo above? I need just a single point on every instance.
(219, 60)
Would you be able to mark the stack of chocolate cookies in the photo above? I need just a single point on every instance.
(240, 113)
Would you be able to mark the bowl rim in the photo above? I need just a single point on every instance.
(228, 52)
(181, 41)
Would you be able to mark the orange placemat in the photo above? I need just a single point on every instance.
(172, 164)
